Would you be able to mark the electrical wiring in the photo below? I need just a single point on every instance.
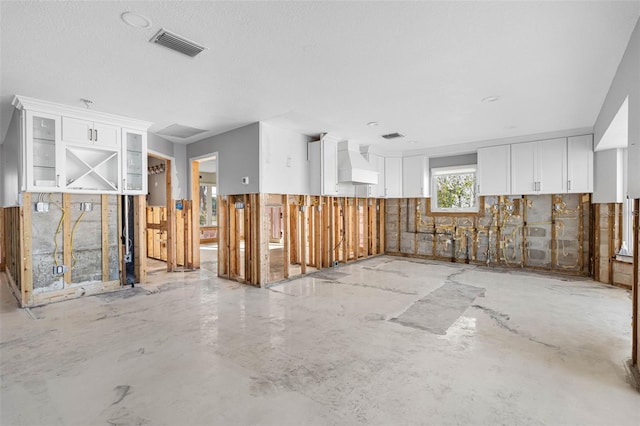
(73, 231)
(58, 229)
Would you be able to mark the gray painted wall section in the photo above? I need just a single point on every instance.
(453, 160)
(179, 167)
(238, 156)
(625, 83)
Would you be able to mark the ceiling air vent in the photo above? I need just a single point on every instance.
(393, 135)
(180, 131)
(178, 43)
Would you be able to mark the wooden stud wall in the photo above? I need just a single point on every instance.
(13, 249)
(316, 231)
(635, 325)
(2, 246)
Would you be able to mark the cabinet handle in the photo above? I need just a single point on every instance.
(90, 134)
(96, 130)
(57, 180)
(568, 185)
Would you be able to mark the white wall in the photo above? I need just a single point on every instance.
(284, 168)
(238, 155)
(625, 83)
(608, 176)
(10, 164)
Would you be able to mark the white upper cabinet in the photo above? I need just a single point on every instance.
(523, 168)
(552, 166)
(415, 176)
(69, 149)
(89, 132)
(43, 156)
(393, 177)
(494, 170)
(134, 161)
(539, 167)
(323, 167)
(580, 164)
(377, 162)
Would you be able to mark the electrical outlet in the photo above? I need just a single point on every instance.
(127, 258)
(86, 207)
(60, 269)
(335, 263)
(42, 207)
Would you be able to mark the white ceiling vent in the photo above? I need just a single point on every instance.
(393, 135)
(178, 43)
(180, 131)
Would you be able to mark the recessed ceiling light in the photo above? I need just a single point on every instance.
(136, 20)
(372, 123)
(491, 99)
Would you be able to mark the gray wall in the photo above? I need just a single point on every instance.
(157, 185)
(179, 167)
(625, 83)
(238, 155)
(453, 160)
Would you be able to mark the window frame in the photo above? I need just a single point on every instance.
(453, 170)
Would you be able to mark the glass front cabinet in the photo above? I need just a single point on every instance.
(70, 149)
(134, 155)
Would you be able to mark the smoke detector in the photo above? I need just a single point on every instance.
(176, 42)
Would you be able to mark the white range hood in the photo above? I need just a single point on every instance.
(353, 167)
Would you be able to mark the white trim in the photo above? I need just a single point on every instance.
(37, 105)
(454, 170)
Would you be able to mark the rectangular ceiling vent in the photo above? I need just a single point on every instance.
(393, 135)
(180, 131)
(178, 43)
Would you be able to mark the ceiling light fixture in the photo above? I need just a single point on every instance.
(136, 20)
(491, 99)
(372, 123)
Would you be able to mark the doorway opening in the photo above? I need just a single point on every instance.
(204, 193)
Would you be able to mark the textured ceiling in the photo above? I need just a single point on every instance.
(419, 68)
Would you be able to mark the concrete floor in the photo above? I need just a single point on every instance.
(384, 341)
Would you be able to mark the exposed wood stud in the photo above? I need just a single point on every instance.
(26, 280)
(3, 248)
(286, 235)
(611, 241)
(303, 239)
(104, 220)
(66, 236)
(382, 248)
(596, 241)
(635, 329)
(195, 214)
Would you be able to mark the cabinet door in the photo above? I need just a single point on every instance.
(523, 171)
(580, 164)
(134, 155)
(552, 166)
(42, 152)
(87, 132)
(494, 170)
(76, 131)
(329, 167)
(414, 176)
(393, 177)
(379, 188)
(106, 135)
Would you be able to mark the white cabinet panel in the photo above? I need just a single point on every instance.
(580, 164)
(415, 176)
(494, 170)
(539, 167)
(88, 132)
(523, 168)
(393, 177)
(552, 166)
(324, 167)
